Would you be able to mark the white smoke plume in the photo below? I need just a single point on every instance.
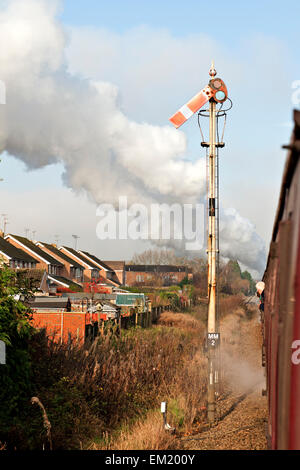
(53, 116)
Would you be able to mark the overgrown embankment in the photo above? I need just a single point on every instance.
(90, 393)
(107, 395)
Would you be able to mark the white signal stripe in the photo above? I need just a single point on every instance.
(186, 111)
(191, 107)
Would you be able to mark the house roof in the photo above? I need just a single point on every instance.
(63, 280)
(81, 257)
(48, 302)
(36, 250)
(61, 254)
(116, 265)
(15, 253)
(97, 260)
(109, 282)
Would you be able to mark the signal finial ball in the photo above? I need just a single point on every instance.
(212, 71)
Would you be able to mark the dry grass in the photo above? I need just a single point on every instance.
(179, 320)
(146, 434)
(230, 304)
(184, 390)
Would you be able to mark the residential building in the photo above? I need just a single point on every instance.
(119, 269)
(43, 260)
(105, 271)
(72, 270)
(14, 257)
(91, 272)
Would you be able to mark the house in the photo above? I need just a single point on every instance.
(91, 271)
(43, 260)
(14, 257)
(60, 284)
(164, 275)
(119, 269)
(105, 271)
(72, 270)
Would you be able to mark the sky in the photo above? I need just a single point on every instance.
(152, 56)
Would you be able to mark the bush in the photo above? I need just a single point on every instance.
(89, 391)
(15, 378)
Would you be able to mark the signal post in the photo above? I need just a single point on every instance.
(215, 92)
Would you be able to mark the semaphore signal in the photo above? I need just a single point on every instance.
(215, 93)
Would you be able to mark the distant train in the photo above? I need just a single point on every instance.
(281, 318)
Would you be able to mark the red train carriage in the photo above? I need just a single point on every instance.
(281, 319)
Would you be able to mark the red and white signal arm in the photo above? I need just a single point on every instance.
(216, 89)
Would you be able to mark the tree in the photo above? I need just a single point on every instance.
(155, 256)
(230, 277)
(15, 331)
(246, 275)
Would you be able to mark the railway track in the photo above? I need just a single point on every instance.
(241, 408)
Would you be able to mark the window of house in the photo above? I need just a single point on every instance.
(139, 278)
(52, 270)
(95, 274)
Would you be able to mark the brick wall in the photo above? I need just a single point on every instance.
(120, 275)
(64, 325)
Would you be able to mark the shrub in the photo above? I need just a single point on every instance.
(15, 378)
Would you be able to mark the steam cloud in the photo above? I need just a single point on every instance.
(53, 116)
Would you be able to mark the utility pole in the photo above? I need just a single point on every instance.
(214, 93)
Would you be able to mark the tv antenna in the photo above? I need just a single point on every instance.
(6, 222)
(4, 217)
(76, 237)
